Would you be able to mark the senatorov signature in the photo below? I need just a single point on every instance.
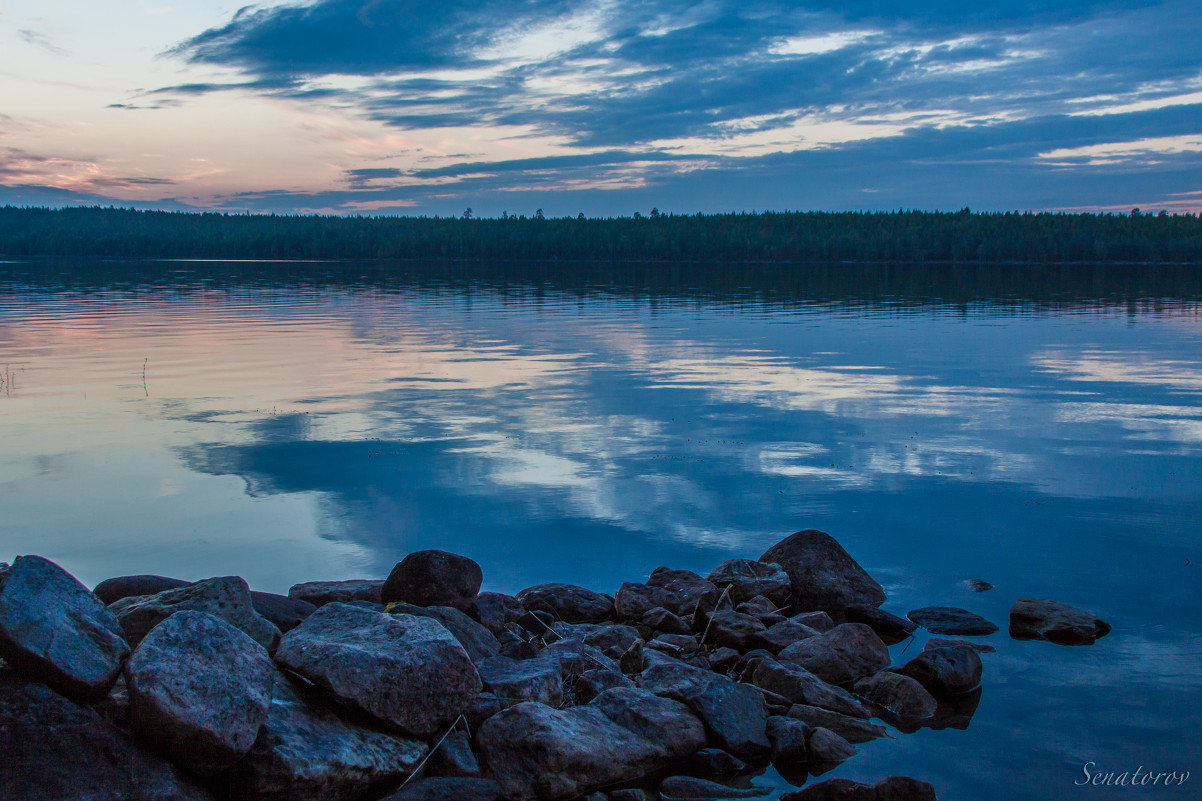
(1137, 777)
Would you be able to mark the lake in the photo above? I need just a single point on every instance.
(1036, 427)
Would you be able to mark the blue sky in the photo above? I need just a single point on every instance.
(606, 107)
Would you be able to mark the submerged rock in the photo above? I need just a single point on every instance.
(407, 671)
(951, 620)
(114, 589)
(748, 578)
(434, 578)
(567, 602)
(894, 788)
(977, 585)
(53, 629)
(840, 656)
(823, 576)
(226, 597)
(941, 642)
(900, 695)
(320, 593)
(1054, 621)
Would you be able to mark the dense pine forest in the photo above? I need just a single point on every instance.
(902, 236)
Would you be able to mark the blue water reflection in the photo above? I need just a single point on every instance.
(287, 423)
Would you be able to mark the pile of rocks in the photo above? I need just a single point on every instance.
(423, 687)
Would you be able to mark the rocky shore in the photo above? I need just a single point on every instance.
(421, 687)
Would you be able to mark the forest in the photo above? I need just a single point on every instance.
(899, 236)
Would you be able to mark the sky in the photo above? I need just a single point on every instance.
(605, 107)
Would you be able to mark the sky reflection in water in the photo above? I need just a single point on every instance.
(294, 432)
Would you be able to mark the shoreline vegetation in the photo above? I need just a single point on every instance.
(962, 237)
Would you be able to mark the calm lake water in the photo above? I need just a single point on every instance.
(1039, 428)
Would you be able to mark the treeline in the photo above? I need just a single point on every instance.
(903, 236)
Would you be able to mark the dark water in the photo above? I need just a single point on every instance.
(1039, 428)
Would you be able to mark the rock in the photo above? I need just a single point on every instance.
(320, 593)
(448, 789)
(115, 589)
(716, 762)
(723, 659)
(309, 749)
(944, 671)
(788, 737)
(477, 640)
(484, 707)
(629, 794)
(576, 656)
(889, 627)
(824, 746)
(798, 686)
(940, 642)
(283, 612)
(407, 671)
(664, 621)
(841, 655)
(818, 621)
(1045, 619)
(854, 730)
(900, 695)
(894, 788)
(613, 640)
(678, 591)
(53, 629)
(688, 788)
(568, 602)
(780, 636)
(434, 578)
(496, 609)
(54, 750)
(748, 578)
(536, 752)
(454, 757)
(977, 585)
(951, 620)
(823, 576)
(733, 714)
(199, 689)
(955, 711)
(633, 660)
(539, 624)
(674, 643)
(225, 597)
(593, 682)
(757, 606)
(733, 630)
(536, 679)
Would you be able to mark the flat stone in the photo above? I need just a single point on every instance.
(951, 620)
(733, 713)
(448, 789)
(536, 752)
(434, 578)
(840, 656)
(407, 671)
(53, 629)
(889, 627)
(1054, 621)
(115, 589)
(226, 597)
(825, 747)
(477, 640)
(689, 788)
(798, 686)
(537, 679)
(568, 602)
(823, 576)
(894, 788)
(854, 730)
(748, 578)
(945, 671)
(900, 695)
(320, 593)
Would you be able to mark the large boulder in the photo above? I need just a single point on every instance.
(678, 591)
(894, 788)
(283, 612)
(320, 593)
(52, 749)
(434, 578)
(733, 713)
(407, 671)
(53, 629)
(748, 578)
(114, 589)
(823, 575)
(536, 752)
(567, 602)
(951, 620)
(945, 671)
(840, 656)
(477, 640)
(226, 597)
(900, 695)
(1054, 621)
(799, 686)
(537, 679)
(199, 690)
(308, 749)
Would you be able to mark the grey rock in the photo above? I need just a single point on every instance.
(894, 788)
(900, 695)
(823, 575)
(733, 630)
(633, 660)
(825, 746)
(678, 591)
(757, 606)
(723, 659)
(115, 589)
(716, 762)
(445, 788)
(568, 602)
(841, 655)
(951, 620)
(593, 682)
(818, 621)
(854, 730)
(664, 621)
(484, 707)
(536, 752)
(631, 794)
(748, 578)
(689, 788)
(613, 640)
(788, 737)
(434, 578)
(284, 612)
(977, 585)
(53, 629)
(798, 686)
(496, 609)
(733, 714)
(477, 640)
(52, 749)
(941, 642)
(320, 593)
(537, 679)
(889, 627)
(408, 671)
(945, 671)
(199, 689)
(226, 597)
(454, 757)
(1054, 621)
(780, 636)
(576, 656)
(674, 643)
(309, 749)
